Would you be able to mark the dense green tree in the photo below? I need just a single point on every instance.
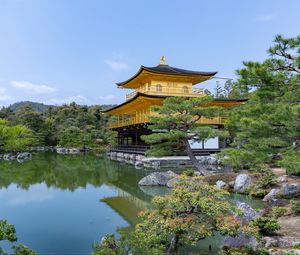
(178, 122)
(267, 127)
(193, 211)
(15, 137)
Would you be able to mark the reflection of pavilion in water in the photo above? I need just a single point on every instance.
(126, 205)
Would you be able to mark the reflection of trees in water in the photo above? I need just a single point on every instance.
(69, 172)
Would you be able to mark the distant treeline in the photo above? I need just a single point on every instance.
(66, 125)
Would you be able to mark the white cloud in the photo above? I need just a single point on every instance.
(107, 97)
(4, 96)
(117, 65)
(58, 101)
(33, 88)
(266, 17)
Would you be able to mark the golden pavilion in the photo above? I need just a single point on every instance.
(151, 85)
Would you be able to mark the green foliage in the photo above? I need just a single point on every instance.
(278, 211)
(68, 125)
(7, 231)
(297, 246)
(22, 250)
(193, 211)
(267, 178)
(177, 122)
(291, 161)
(189, 172)
(267, 225)
(268, 124)
(295, 206)
(15, 137)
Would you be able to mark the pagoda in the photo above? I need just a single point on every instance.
(151, 85)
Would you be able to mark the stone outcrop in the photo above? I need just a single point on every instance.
(287, 190)
(242, 182)
(290, 190)
(157, 179)
(280, 241)
(271, 195)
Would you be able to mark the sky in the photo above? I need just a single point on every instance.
(59, 51)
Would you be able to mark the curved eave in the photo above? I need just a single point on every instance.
(176, 72)
(139, 94)
(229, 102)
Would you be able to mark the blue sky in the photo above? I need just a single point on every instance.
(57, 51)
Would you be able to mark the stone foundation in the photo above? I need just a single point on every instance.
(183, 162)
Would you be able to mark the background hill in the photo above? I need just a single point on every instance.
(39, 107)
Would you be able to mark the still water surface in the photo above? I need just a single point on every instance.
(62, 204)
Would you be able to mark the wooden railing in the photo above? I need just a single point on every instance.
(146, 118)
(168, 91)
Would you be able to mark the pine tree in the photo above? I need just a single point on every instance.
(267, 127)
(177, 122)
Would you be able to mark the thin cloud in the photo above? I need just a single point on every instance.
(33, 88)
(107, 97)
(117, 65)
(4, 96)
(68, 100)
(266, 17)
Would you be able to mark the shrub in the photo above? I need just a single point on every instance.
(278, 211)
(291, 162)
(267, 178)
(295, 206)
(297, 246)
(189, 172)
(267, 225)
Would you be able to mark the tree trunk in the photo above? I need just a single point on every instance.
(173, 245)
(194, 160)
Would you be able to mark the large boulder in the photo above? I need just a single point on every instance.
(157, 179)
(272, 195)
(290, 190)
(241, 240)
(248, 212)
(280, 241)
(242, 182)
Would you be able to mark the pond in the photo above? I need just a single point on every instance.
(62, 204)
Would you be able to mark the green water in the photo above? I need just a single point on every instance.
(62, 204)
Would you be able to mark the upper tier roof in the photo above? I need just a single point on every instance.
(166, 70)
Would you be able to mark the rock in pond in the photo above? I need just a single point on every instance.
(23, 156)
(242, 182)
(157, 179)
(8, 157)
